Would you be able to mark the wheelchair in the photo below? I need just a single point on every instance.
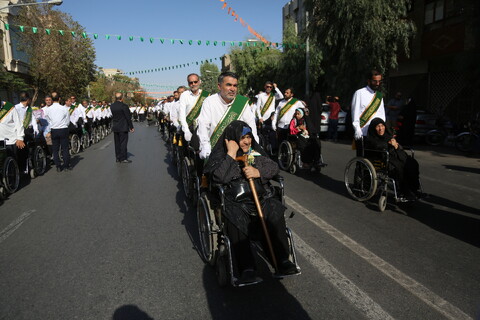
(290, 158)
(189, 174)
(215, 246)
(74, 142)
(37, 158)
(9, 172)
(369, 176)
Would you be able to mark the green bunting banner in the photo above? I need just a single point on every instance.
(162, 40)
(165, 68)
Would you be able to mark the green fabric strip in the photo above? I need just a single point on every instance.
(5, 109)
(233, 113)
(371, 109)
(195, 111)
(28, 117)
(287, 107)
(268, 103)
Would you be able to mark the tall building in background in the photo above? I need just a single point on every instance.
(295, 10)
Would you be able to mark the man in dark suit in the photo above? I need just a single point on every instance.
(122, 123)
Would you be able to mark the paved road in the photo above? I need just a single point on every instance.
(117, 241)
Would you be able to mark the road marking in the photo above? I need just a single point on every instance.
(416, 288)
(458, 186)
(5, 233)
(347, 288)
(105, 145)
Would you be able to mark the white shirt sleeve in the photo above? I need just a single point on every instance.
(278, 94)
(204, 123)
(249, 118)
(182, 113)
(356, 107)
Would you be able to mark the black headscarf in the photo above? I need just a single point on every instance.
(374, 140)
(234, 131)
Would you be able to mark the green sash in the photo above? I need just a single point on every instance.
(234, 112)
(195, 111)
(268, 103)
(72, 108)
(287, 107)
(371, 109)
(7, 107)
(88, 109)
(28, 117)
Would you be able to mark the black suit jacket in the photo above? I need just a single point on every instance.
(122, 119)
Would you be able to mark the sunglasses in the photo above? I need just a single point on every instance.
(269, 87)
(193, 82)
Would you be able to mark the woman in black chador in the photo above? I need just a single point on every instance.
(242, 221)
(403, 168)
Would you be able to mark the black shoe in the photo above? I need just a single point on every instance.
(126, 161)
(59, 169)
(247, 276)
(287, 267)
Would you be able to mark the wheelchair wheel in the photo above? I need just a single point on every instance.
(382, 203)
(39, 161)
(465, 142)
(11, 175)
(85, 140)
(292, 169)
(187, 169)
(74, 144)
(434, 138)
(208, 239)
(360, 179)
(221, 270)
(285, 155)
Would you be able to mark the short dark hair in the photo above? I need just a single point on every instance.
(55, 96)
(227, 74)
(373, 73)
(291, 90)
(193, 74)
(24, 96)
(182, 87)
(268, 82)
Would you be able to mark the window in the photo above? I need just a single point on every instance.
(434, 11)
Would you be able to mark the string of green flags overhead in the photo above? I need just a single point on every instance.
(48, 31)
(177, 66)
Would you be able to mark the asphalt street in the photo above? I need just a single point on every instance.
(119, 241)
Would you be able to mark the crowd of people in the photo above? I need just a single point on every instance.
(33, 136)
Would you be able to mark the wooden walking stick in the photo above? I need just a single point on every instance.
(244, 159)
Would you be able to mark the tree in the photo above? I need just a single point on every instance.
(58, 62)
(209, 73)
(255, 65)
(355, 36)
(11, 82)
(104, 88)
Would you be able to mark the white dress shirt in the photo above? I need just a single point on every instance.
(11, 127)
(284, 122)
(213, 109)
(174, 112)
(22, 112)
(361, 99)
(187, 102)
(262, 98)
(57, 116)
(91, 113)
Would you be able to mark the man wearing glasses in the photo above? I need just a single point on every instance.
(266, 101)
(190, 105)
(367, 104)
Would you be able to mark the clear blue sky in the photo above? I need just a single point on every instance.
(188, 20)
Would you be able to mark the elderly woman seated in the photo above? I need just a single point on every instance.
(241, 217)
(402, 167)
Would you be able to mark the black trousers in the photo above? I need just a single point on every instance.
(121, 140)
(60, 139)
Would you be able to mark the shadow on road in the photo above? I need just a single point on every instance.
(130, 312)
(325, 182)
(461, 168)
(455, 225)
(267, 300)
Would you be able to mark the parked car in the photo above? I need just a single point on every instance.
(342, 116)
(425, 122)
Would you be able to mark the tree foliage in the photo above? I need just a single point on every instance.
(12, 82)
(254, 66)
(104, 88)
(355, 36)
(209, 73)
(63, 63)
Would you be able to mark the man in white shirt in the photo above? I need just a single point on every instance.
(219, 106)
(175, 108)
(191, 101)
(58, 118)
(367, 104)
(266, 101)
(11, 127)
(284, 114)
(30, 127)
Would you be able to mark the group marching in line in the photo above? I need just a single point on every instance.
(32, 137)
